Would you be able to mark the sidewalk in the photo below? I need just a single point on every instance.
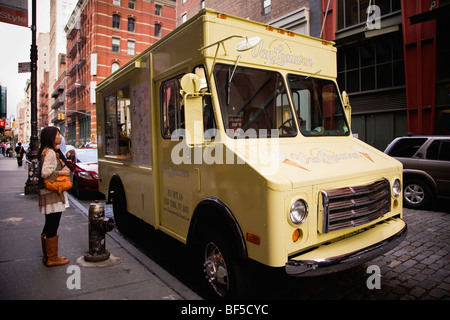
(23, 275)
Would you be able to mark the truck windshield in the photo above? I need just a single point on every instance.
(253, 102)
(317, 106)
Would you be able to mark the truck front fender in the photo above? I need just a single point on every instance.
(212, 211)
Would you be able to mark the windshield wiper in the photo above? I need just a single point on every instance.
(318, 71)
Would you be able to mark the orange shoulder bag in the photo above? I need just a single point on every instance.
(61, 184)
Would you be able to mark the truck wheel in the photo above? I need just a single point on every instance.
(119, 204)
(416, 193)
(224, 271)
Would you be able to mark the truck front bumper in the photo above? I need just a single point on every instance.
(324, 260)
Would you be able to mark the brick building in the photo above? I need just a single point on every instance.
(58, 96)
(43, 99)
(60, 11)
(101, 37)
(287, 14)
(42, 79)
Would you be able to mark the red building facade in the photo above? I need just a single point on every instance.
(43, 98)
(101, 37)
(257, 10)
(425, 37)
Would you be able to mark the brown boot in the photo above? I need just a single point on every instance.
(51, 248)
(44, 253)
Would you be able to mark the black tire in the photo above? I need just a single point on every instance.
(76, 188)
(416, 193)
(119, 204)
(224, 271)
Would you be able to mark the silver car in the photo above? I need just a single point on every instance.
(426, 167)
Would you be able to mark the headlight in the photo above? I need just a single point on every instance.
(396, 188)
(85, 175)
(299, 212)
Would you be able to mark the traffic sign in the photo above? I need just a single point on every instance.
(24, 67)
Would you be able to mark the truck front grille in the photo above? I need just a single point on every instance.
(353, 206)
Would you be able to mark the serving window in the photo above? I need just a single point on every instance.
(118, 123)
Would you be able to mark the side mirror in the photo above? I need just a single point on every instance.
(193, 109)
(347, 107)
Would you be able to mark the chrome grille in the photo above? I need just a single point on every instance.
(353, 206)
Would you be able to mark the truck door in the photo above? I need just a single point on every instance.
(179, 177)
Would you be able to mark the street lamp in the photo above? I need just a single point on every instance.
(31, 186)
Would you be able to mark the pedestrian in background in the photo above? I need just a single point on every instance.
(8, 149)
(51, 203)
(62, 149)
(19, 153)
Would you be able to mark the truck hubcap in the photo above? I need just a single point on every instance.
(216, 269)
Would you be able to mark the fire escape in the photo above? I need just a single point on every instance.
(76, 78)
(58, 104)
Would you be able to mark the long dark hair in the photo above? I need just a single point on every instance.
(47, 140)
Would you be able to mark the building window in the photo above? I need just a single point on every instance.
(158, 9)
(267, 6)
(85, 129)
(116, 45)
(183, 18)
(131, 47)
(72, 132)
(131, 24)
(116, 2)
(118, 123)
(157, 30)
(116, 21)
(353, 12)
(114, 66)
(202, 4)
(388, 6)
(132, 4)
(372, 65)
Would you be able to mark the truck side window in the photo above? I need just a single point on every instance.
(172, 110)
(209, 121)
(318, 107)
(118, 123)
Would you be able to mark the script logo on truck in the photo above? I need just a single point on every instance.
(277, 55)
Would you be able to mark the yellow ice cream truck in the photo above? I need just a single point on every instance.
(232, 137)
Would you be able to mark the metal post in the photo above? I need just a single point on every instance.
(32, 181)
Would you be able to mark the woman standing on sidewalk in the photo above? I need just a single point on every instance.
(51, 203)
